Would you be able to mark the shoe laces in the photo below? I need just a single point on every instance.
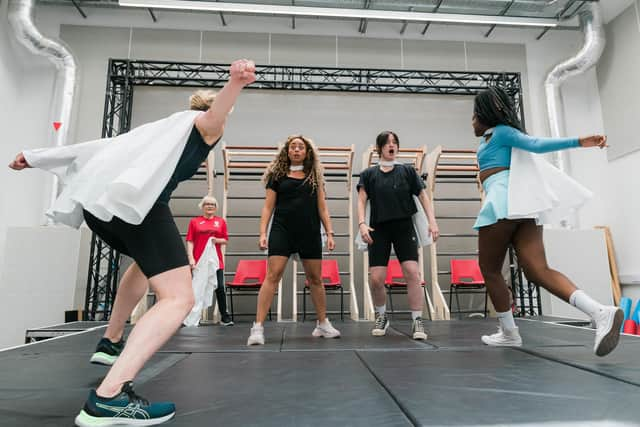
(127, 388)
(418, 326)
(381, 320)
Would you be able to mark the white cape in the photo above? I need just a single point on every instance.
(537, 189)
(420, 224)
(204, 283)
(120, 176)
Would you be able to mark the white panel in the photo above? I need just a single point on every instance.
(114, 43)
(433, 55)
(619, 91)
(219, 47)
(581, 255)
(366, 52)
(166, 45)
(303, 50)
(38, 279)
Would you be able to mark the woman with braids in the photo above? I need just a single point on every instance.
(500, 223)
(295, 189)
(121, 187)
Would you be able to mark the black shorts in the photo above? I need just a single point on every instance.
(284, 242)
(399, 233)
(155, 244)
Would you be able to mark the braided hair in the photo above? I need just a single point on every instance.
(493, 107)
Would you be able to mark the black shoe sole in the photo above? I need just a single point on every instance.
(610, 341)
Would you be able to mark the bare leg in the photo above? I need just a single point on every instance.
(175, 300)
(531, 256)
(133, 286)
(377, 275)
(313, 271)
(493, 242)
(275, 269)
(414, 290)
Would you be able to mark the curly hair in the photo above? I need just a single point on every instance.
(312, 167)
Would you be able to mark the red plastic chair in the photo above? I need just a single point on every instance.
(249, 276)
(396, 284)
(466, 275)
(330, 277)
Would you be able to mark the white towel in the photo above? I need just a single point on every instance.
(537, 189)
(120, 176)
(204, 283)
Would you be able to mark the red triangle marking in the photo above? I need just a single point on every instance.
(56, 125)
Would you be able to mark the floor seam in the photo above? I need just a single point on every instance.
(410, 417)
(575, 365)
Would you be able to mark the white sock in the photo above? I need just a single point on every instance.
(506, 320)
(325, 322)
(583, 302)
(257, 324)
(381, 308)
(416, 314)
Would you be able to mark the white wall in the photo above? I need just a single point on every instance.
(26, 85)
(620, 94)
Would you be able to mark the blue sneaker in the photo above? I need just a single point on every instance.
(126, 408)
(107, 352)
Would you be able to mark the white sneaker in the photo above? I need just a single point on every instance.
(608, 323)
(325, 330)
(417, 329)
(257, 335)
(503, 338)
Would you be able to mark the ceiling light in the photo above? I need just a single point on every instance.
(328, 12)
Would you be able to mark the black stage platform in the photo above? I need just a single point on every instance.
(358, 380)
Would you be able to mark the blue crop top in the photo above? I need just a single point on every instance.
(497, 151)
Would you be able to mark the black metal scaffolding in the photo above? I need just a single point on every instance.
(124, 75)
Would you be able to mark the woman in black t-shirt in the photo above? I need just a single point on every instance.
(390, 187)
(295, 189)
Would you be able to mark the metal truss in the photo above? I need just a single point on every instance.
(124, 75)
(526, 294)
(155, 73)
(104, 261)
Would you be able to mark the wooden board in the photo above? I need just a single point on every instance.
(613, 266)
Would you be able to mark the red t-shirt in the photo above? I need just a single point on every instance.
(200, 229)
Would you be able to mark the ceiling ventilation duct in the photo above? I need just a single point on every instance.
(587, 57)
(20, 16)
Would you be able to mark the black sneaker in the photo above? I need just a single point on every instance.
(107, 352)
(226, 320)
(126, 408)
(381, 325)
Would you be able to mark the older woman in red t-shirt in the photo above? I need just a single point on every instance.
(202, 228)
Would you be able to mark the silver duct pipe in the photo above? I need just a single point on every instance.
(20, 16)
(594, 41)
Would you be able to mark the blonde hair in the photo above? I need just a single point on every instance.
(202, 99)
(207, 199)
(312, 167)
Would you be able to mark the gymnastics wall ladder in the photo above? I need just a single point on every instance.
(457, 200)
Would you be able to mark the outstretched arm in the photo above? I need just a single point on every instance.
(211, 123)
(19, 163)
(515, 138)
